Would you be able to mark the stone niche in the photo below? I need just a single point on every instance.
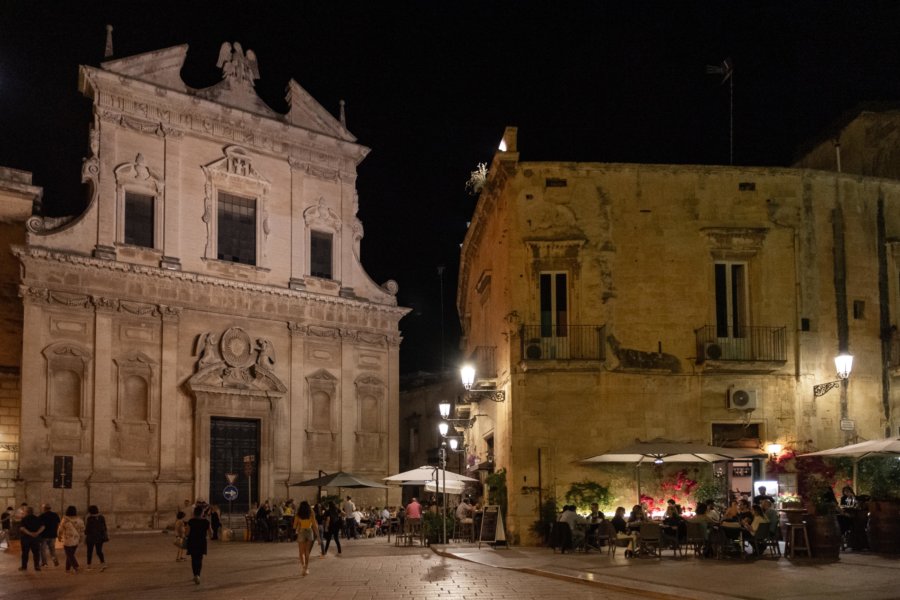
(322, 447)
(371, 423)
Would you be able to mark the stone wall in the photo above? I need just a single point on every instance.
(10, 403)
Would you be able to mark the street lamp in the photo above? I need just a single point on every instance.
(843, 364)
(443, 427)
(467, 373)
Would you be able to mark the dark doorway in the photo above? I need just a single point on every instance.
(231, 440)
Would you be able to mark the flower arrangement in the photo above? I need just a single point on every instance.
(788, 497)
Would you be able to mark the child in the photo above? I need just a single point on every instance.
(180, 533)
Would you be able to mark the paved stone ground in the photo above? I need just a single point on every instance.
(858, 576)
(143, 566)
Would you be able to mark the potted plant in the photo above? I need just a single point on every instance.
(821, 522)
(541, 528)
(884, 502)
(789, 500)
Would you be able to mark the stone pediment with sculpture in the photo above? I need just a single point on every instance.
(233, 361)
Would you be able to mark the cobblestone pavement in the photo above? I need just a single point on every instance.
(143, 566)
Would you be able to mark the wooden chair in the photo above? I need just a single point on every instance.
(601, 535)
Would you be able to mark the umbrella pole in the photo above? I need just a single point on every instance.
(855, 471)
(637, 469)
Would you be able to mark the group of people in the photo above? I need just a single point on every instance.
(741, 519)
(39, 533)
(191, 534)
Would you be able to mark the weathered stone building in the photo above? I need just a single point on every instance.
(208, 309)
(628, 301)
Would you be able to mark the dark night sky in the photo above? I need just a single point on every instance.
(430, 86)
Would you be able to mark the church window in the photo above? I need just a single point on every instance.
(139, 217)
(320, 252)
(236, 229)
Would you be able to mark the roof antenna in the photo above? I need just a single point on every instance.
(343, 115)
(108, 52)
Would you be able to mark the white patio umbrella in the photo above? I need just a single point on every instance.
(424, 474)
(453, 487)
(659, 451)
(885, 447)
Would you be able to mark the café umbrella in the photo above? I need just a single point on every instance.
(885, 447)
(660, 451)
(422, 475)
(340, 480)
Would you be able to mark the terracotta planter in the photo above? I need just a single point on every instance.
(824, 536)
(884, 526)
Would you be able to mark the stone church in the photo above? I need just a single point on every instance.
(206, 319)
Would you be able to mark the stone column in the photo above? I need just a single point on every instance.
(171, 225)
(393, 399)
(104, 397)
(297, 401)
(298, 228)
(167, 488)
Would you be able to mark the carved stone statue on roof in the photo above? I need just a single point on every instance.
(236, 65)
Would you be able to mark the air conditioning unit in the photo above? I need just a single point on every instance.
(742, 399)
(712, 351)
(533, 349)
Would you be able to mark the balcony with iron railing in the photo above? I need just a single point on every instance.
(766, 346)
(563, 342)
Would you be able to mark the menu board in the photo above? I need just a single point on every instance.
(491, 526)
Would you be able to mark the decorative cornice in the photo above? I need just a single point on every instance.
(87, 262)
(176, 113)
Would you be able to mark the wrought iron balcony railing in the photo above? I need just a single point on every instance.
(563, 342)
(741, 344)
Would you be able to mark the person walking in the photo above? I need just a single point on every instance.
(198, 531)
(50, 521)
(333, 523)
(95, 534)
(30, 529)
(71, 530)
(180, 535)
(307, 532)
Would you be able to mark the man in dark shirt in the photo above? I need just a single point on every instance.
(50, 521)
(30, 529)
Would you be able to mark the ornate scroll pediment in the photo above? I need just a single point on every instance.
(139, 173)
(233, 361)
(320, 214)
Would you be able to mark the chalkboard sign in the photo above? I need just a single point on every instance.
(491, 526)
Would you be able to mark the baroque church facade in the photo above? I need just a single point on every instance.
(206, 319)
(603, 303)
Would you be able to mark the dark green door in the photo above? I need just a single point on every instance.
(231, 442)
